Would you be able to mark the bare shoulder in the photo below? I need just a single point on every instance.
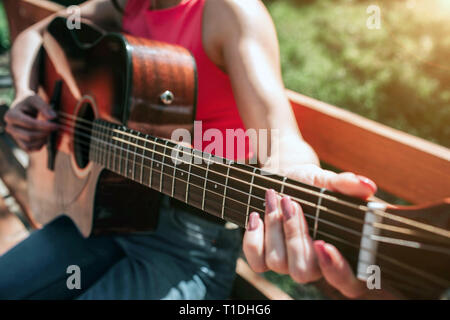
(229, 21)
(243, 15)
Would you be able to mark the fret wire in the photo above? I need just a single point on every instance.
(108, 151)
(99, 137)
(316, 220)
(99, 153)
(282, 184)
(189, 176)
(151, 167)
(162, 165)
(113, 141)
(97, 156)
(204, 185)
(142, 162)
(104, 138)
(225, 190)
(174, 174)
(250, 196)
(120, 154)
(127, 158)
(134, 158)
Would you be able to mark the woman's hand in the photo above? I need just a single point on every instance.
(282, 242)
(23, 125)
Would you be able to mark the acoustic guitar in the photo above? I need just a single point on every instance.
(119, 97)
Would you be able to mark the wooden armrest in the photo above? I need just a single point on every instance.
(406, 166)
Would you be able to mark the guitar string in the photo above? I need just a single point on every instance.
(319, 231)
(361, 208)
(403, 242)
(309, 228)
(438, 281)
(383, 226)
(405, 221)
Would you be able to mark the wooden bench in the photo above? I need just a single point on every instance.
(403, 165)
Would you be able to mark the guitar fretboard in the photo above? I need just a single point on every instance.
(218, 186)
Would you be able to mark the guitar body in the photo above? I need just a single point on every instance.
(123, 80)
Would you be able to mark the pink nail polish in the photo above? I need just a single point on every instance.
(367, 182)
(287, 208)
(271, 201)
(253, 221)
(322, 253)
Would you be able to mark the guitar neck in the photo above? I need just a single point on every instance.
(217, 186)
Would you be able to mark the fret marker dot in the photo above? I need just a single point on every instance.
(215, 186)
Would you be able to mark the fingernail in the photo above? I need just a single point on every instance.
(287, 208)
(253, 221)
(271, 200)
(323, 255)
(367, 182)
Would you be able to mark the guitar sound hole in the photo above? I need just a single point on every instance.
(82, 135)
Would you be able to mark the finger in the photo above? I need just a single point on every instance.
(347, 183)
(43, 107)
(19, 118)
(275, 250)
(302, 262)
(253, 243)
(337, 271)
(26, 135)
(31, 146)
(353, 185)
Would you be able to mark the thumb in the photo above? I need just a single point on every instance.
(347, 183)
(43, 107)
(353, 185)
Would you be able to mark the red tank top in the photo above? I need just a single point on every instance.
(182, 25)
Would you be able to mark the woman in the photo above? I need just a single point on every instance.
(240, 86)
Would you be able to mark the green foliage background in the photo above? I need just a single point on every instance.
(398, 75)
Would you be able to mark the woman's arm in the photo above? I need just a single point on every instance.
(29, 132)
(240, 38)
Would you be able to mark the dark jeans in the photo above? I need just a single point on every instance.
(185, 258)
